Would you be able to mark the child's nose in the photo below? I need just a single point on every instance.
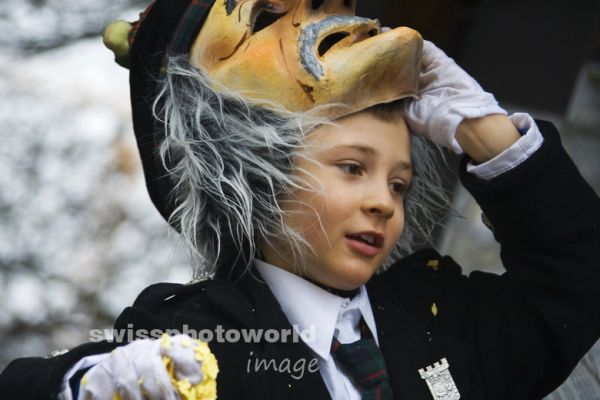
(379, 203)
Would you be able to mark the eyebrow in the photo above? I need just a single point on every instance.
(368, 151)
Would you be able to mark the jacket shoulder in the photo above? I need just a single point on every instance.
(203, 304)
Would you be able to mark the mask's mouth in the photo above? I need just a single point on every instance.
(319, 38)
(330, 41)
(360, 33)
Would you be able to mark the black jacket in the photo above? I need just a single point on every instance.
(515, 336)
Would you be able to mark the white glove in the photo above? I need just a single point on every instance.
(164, 369)
(448, 95)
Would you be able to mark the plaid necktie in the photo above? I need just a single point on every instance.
(364, 364)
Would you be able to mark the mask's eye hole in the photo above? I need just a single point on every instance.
(230, 5)
(264, 19)
(266, 13)
(348, 3)
(316, 4)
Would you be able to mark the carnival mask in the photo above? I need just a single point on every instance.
(302, 54)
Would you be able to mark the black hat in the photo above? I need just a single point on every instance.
(166, 28)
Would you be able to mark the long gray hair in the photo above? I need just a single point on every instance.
(231, 160)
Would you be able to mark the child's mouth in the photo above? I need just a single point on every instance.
(366, 244)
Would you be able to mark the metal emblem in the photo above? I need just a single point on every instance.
(440, 382)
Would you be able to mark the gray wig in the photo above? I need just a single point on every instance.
(231, 160)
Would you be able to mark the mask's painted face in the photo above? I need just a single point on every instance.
(302, 54)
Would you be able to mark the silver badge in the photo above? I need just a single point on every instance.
(440, 382)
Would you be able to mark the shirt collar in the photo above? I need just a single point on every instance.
(310, 308)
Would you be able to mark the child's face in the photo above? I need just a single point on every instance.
(363, 166)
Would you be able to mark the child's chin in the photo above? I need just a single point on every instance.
(354, 281)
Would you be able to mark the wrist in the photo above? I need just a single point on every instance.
(484, 138)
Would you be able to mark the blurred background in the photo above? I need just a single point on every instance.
(79, 237)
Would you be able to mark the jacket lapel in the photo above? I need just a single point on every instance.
(277, 370)
(402, 342)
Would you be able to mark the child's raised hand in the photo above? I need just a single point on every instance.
(448, 96)
(154, 370)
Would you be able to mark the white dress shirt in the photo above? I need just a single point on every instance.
(307, 306)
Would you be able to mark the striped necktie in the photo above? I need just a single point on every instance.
(364, 364)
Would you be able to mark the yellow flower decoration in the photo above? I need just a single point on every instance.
(433, 264)
(434, 309)
(207, 388)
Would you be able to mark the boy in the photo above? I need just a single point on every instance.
(294, 224)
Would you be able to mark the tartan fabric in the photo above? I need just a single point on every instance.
(189, 26)
(364, 364)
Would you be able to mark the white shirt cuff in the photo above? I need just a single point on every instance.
(520, 151)
(89, 361)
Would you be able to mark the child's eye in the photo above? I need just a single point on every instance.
(397, 187)
(351, 168)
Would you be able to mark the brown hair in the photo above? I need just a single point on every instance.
(387, 111)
